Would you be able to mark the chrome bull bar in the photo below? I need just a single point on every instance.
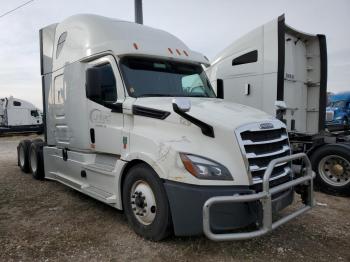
(265, 198)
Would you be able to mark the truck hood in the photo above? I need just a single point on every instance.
(212, 111)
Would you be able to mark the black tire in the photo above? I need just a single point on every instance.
(325, 183)
(23, 155)
(160, 228)
(38, 140)
(36, 160)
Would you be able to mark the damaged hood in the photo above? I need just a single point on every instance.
(213, 111)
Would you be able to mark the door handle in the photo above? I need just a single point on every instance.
(92, 135)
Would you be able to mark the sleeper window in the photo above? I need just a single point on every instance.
(250, 57)
(60, 43)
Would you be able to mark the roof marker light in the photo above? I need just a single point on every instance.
(178, 52)
(135, 46)
(186, 54)
(171, 51)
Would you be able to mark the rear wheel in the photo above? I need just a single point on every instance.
(36, 162)
(145, 203)
(332, 165)
(23, 155)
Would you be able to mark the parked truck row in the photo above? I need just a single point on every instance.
(132, 120)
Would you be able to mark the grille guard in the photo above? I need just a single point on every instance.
(265, 198)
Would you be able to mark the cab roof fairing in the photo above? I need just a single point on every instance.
(88, 35)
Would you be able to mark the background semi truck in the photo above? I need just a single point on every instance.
(283, 72)
(338, 111)
(19, 116)
(132, 120)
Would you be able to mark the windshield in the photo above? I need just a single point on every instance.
(337, 104)
(157, 77)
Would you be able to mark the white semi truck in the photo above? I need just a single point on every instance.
(283, 71)
(19, 116)
(132, 120)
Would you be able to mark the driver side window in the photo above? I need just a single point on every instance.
(108, 84)
(103, 88)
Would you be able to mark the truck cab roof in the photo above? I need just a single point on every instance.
(84, 35)
(340, 96)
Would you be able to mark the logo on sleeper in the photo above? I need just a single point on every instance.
(266, 125)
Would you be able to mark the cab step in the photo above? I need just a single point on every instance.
(99, 194)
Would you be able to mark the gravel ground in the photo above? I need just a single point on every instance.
(45, 221)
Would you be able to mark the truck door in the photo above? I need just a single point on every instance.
(106, 124)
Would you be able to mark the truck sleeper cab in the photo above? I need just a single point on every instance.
(132, 120)
(283, 71)
(19, 116)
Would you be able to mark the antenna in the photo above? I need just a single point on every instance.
(138, 12)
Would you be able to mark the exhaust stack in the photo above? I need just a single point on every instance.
(138, 12)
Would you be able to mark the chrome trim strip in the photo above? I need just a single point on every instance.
(249, 142)
(258, 180)
(257, 168)
(283, 150)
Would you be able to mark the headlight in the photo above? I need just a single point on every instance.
(204, 168)
(339, 118)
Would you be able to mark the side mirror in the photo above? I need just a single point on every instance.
(220, 88)
(181, 104)
(281, 109)
(93, 88)
(280, 105)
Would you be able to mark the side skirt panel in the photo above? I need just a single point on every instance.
(96, 175)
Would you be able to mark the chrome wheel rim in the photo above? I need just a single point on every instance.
(334, 170)
(143, 202)
(21, 156)
(33, 161)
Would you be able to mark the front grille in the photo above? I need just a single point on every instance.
(262, 135)
(261, 147)
(329, 115)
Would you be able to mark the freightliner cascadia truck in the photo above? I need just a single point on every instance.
(132, 120)
(283, 71)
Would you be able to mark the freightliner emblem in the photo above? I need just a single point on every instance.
(266, 125)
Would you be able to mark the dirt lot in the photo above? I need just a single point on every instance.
(45, 221)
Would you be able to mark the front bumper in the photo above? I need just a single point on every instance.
(217, 211)
(265, 198)
(335, 122)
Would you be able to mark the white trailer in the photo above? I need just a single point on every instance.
(19, 116)
(132, 120)
(283, 71)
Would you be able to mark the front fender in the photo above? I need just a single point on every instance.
(147, 158)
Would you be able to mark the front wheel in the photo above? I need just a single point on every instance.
(146, 204)
(332, 166)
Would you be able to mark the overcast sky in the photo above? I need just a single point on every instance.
(206, 26)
